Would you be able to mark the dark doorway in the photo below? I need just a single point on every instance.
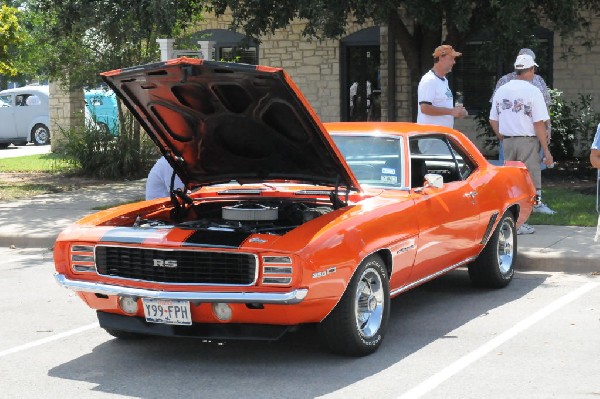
(361, 88)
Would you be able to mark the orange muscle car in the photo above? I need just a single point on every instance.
(283, 220)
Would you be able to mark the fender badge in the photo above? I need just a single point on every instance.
(324, 272)
(256, 239)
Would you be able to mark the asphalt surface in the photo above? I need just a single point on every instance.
(37, 221)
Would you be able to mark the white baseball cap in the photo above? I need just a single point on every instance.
(524, 61)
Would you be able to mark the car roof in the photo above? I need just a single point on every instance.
(27, 89)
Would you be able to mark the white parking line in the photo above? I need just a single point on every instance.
(444, 374)
(46, 340)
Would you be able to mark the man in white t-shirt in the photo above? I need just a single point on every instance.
(436, 103)
(518, 118)
(158, 184)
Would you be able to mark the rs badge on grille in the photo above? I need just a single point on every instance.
(171, 263)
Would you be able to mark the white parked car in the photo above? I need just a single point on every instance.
(24, 113)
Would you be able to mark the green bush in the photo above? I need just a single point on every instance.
(573, 126)
(97, 153)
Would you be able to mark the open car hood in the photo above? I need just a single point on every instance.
(216, 122)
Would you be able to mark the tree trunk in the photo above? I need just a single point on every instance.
(417, 49)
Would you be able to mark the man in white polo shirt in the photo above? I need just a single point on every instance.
(436, 103)
(518, 118)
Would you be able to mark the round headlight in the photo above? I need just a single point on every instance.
(222, 311)
(128, 305)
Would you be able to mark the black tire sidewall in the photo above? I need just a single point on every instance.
(374, 263)
(340, 330)
(34, 136)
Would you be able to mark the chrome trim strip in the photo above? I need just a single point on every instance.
(283, 298)
(430, 277)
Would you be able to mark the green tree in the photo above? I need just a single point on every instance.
(85, 37)
(10, 34)
(418, 26)
(72, 41)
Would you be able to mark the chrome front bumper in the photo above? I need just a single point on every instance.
(283, 298)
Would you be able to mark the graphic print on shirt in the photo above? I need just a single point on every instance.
(517, 106)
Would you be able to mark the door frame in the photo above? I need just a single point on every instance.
(362, 38)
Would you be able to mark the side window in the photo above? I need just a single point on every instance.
(21, 99)
(32, 100)
(437, 154)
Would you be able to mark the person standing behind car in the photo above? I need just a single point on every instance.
(158, 184)
(538, 82)
(518, 117)
(435, 100)
(595, 151)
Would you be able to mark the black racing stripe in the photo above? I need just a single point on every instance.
(131, 235)
(216, 238)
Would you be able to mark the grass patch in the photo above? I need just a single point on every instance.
(48, 163)
(10, 191)
(573, 208)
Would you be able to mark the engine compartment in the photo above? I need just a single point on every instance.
(275, 217)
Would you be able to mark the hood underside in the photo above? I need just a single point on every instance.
(218, 122)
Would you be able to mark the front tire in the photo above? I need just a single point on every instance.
(40, 134)
(356, 326)
(495, 266)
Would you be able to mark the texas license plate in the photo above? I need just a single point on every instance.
(167, 312)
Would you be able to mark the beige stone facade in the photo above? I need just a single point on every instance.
(315, 66)
(66, 112)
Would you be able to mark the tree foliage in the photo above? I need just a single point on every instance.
(418, 26)
(85, 37)
(10, 35)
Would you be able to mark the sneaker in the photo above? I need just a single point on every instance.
(543, 208)
(525, 229)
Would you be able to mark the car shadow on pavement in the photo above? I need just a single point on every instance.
(297, 365)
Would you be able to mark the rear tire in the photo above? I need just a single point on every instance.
(40, 134)
(356, 326)
(495, 266)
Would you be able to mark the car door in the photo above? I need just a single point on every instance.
(27, 109)
(448, 217)
(7, 110)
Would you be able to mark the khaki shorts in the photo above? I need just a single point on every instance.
(527, 150)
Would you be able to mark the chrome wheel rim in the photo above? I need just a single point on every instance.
(369, 303)
(41, 135)
(506, 248)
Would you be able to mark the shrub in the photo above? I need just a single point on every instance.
(97, 153)
(573, 125)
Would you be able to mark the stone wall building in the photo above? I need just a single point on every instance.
(325, 70)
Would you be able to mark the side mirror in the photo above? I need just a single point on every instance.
(434, 180)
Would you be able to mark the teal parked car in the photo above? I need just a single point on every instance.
(102, 105)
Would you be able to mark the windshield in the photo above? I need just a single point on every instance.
(374, 160)
(4, 101)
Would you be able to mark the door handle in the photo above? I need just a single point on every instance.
(471, 194)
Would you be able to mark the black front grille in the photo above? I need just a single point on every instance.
(181, 267)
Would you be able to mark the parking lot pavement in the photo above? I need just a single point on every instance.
(20, 151)
(538, 338)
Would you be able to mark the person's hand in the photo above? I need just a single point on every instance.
(459, 112)
(548, 160)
